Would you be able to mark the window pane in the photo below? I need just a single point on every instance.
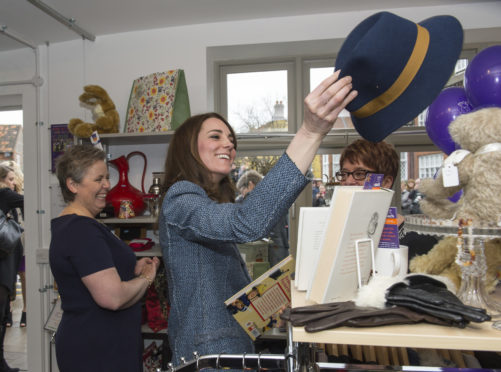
(11, 147)
(11, 117)
(430, 164)
(257, 101)
(317, 75)
(422, 118)
(461, 65)
(403, 166)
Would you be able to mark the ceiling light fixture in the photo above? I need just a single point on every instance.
(68, 22)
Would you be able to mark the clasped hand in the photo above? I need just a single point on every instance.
(147, 266)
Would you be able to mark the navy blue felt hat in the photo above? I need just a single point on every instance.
(398, 68)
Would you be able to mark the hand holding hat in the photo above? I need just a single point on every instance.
(398, 68)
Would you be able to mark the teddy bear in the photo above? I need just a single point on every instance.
(440, 260)
(478, 165)
(104, 112)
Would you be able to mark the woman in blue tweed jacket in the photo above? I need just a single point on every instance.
(200, 224)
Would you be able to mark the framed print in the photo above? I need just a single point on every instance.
(60, 140)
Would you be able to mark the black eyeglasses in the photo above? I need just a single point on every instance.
(358, 174)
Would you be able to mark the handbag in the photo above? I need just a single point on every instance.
(158, 102)
(10, 235)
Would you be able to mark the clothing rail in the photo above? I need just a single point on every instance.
(263, 362)
(258, 362)
(301, 356)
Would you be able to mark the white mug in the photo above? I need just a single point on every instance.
(392, 261)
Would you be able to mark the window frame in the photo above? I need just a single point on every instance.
(287, 65)
(303, 55)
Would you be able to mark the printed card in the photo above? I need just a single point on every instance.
(389, 236)
(373, 181)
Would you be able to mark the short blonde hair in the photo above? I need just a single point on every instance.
(74, 163)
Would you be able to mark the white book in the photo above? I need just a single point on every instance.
(310, 232)
(354, 214)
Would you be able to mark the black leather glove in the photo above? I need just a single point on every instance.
(430, 296)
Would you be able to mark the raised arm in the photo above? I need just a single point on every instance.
(321, 109)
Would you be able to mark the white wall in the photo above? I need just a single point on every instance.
(114, 61)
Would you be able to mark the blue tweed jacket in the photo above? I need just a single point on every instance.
(204, 268)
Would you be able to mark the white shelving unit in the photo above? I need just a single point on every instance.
(117, 144)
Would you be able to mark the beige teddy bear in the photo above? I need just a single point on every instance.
(440, 260)
(478, 165)
(479, 176)
(104, 112)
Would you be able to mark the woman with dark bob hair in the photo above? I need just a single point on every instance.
(362, 156)
(99, 279)
(200, 224)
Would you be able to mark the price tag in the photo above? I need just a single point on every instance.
(54, 318)
(450, 175)
(96, 140)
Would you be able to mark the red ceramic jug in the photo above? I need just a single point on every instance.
(123, 190)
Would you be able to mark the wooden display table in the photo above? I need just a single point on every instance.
(474, 337)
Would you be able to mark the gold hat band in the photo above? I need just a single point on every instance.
(404, 79)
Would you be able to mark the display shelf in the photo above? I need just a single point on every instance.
(474, 337)
(115, 139)
(414, 137)
(423, 224)
(155, 251)
(129, 221)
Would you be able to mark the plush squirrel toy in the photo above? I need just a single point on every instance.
(104, 113)
(478, 166)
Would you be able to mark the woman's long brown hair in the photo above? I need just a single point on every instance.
(183, 161)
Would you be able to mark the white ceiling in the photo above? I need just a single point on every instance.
(101, 17)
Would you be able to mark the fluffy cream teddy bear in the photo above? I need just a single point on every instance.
(104, 112)
(478, 165)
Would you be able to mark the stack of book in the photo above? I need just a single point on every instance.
(328, 266)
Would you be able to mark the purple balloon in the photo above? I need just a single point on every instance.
(482, 78)
(449, 104)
